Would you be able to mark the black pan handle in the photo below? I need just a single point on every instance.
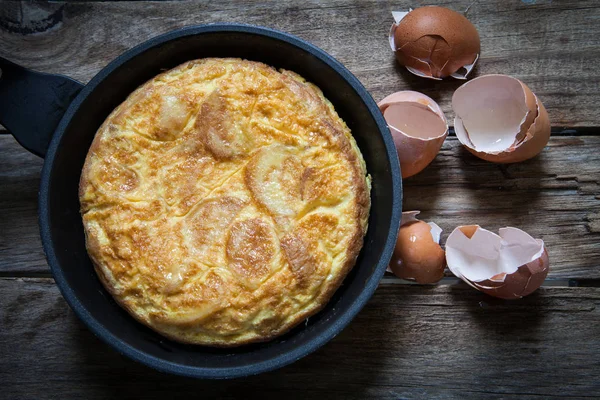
(32, 104)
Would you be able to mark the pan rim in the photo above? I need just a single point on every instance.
(281, 359)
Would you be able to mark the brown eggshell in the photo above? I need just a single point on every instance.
(537, 138)
(526, 280)
(414, 152)
(530, 137)
(435, 41)
(518, 280)
(417, 256)
(532, 105)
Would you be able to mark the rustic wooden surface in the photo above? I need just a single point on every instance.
(551, 45)
(410, 341)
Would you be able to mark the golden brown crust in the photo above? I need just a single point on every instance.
(224, 202)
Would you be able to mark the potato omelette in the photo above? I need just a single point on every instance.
(224, 202)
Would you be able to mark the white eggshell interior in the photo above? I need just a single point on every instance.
(398, 15)
(461, 133)
(465, 70)
(409, 216)
(486, 254)
(492, 109)
(391, 37)
(436, 232)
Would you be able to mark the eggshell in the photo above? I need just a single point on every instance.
(509, 265)
(418, 255)
(526, 280)
(499, 119)
(435, 42)
(418, 127)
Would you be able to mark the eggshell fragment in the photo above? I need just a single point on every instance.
(418, 127)
(499, 119)
(509, 265)
(435, 42)
(418, 255)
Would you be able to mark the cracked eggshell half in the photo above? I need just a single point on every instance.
(435, 42)
(418, 126)
(509, 265)
(499, 119)
(418, 255)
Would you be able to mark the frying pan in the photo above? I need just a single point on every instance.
(56, 117)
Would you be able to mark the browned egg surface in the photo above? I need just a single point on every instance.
(224, 202)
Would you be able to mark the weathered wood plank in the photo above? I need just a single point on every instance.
(414, 342)
(555, 197)
(551, 46)
(20, 244)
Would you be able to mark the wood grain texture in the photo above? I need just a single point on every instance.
(412, 343)
(20, 244)
(554, 197)
(551, 45)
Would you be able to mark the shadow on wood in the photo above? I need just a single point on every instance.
(503, 319)
(136, 380)
(420, 192)
(497, 179)
(410, 341)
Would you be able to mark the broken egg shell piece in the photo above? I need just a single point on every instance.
(398, 15)
(434, 42)
(436, 232)
(536, 138)
(499, 119)
(464, 72)
(407, 217)
(418, 255)
(418, 127)
(509, 265)
(417, 72)
(411, 216)
(532, 105)
(529, 277)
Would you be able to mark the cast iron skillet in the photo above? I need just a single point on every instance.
(32, 108)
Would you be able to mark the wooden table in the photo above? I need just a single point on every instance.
(410, 341)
